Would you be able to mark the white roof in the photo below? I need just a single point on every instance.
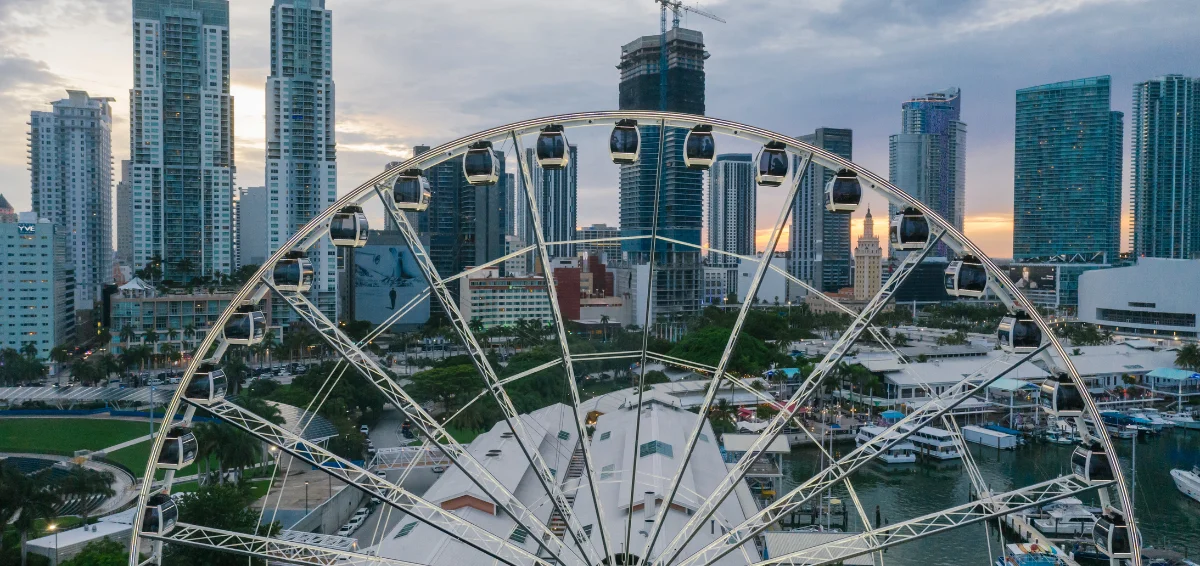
(81, 535)
(742, 442)
(1119, 358)
(952, 370)
(780, 543)
(136, 284)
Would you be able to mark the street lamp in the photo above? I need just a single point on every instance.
(306, 498)
(54, 529)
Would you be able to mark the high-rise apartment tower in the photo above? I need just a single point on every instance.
(1166, 167)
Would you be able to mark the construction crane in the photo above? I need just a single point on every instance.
(676, 7)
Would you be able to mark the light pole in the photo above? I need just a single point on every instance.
(306, 498)
(54, 529)
(151, 412)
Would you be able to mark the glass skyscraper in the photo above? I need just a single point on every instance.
(928, 158)
(557, 193)
(1166, 167)
(732, 212)
(1067, 177)
(181, 137)
(70, 164)
(679, 273)
(819, 240)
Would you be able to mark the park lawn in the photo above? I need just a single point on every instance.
(462, 435)
(258, 488)
(64, 436)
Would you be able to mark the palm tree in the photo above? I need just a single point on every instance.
(89, 487)
(33, 498)
(1188, 357)
(127, 334)
(208, 438)
(30, 350)
(151, 338)
(189, 334)
(172, 334)
(604, 319)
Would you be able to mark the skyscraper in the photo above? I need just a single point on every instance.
(557, 195)
(301, 159)
(38, 311)
(679, 275)
(70, 156)
(732, 207)
(252, 233)
(1067, 177)
(125, 215)
(868, 262)
(1166, 167)
(181, 137)
(819, 240)
(928, 158)
(7, 214)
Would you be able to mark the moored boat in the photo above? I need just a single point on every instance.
(1188, 481)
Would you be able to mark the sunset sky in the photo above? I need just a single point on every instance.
(426, 72)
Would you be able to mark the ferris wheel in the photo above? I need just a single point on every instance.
(654, 506)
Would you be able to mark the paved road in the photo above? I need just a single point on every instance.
(384, 518)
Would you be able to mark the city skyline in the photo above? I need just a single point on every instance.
(1005, 50)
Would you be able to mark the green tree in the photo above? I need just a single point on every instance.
(900, 339)
(60, 354)
(220, 507)
(1188, 357)
(655, 376)
(103, 552)
(89, 487)
(28, 497)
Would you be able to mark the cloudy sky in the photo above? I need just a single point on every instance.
(411, 72)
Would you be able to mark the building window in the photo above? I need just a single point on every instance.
(1149, 318)
(656, 447)
(407, 529)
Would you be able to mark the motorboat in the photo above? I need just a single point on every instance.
(1123, 432)
(1156, 418)
(1065, 517)
(1182, 420)
(1060, 431)
(1188, 481)
(1029, 555)
(1148, 419)
(903, 452)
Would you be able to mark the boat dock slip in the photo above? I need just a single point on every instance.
(992, 438)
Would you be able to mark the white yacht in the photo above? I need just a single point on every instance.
(935, 443)
(1188, 482)
(1182, 420)
(1066, 517)
(1149, 419)
(901, 453)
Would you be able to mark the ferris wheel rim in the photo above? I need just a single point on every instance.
(307, 236)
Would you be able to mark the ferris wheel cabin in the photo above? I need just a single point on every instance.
(700, 148)
(1019, 334)
(246, 327)
(910, 230)
(843, 192)
(1061, 397)
(349, 228)
(293, 273)
(772, 164)
(207, 386)
(1090, 464)
(623, 142)
(552, 148)
(966, 277)
(481, 166)
(160, 515)
(411, 191)
(179, 449)
(1111, 535)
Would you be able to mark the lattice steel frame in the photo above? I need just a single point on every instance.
(436, 435)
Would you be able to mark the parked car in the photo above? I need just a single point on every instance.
(363, 429)
(361, 512)
(345, 531)
(439, 469)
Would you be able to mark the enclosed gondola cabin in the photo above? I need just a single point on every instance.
(623, 142)
(179, 449)
(843, 192)
(481, 166)
(966, 277)
(1061, 397)
(348, 228)
(772, 164)
(1111, 535)
(910, 230)
(1090, 464)
(1019, 334)
(293, 273)
(411, 191)
(207, 386)
(553, 153)
(246, 327)
(700, 148)
(160, 515)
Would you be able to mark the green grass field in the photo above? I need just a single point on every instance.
(64, 436)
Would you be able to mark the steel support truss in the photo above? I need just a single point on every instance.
(512, 417)
(801, 396)
(842, 469)
(913, 529)
(272, 549)
(429, 426)
(371, 484)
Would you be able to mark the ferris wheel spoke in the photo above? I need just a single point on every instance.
(849, 463)
(719, 372)
(273, 549)
(560, 326)
(426, 423)
(512, 417)
(993, 507)
(390, 493)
